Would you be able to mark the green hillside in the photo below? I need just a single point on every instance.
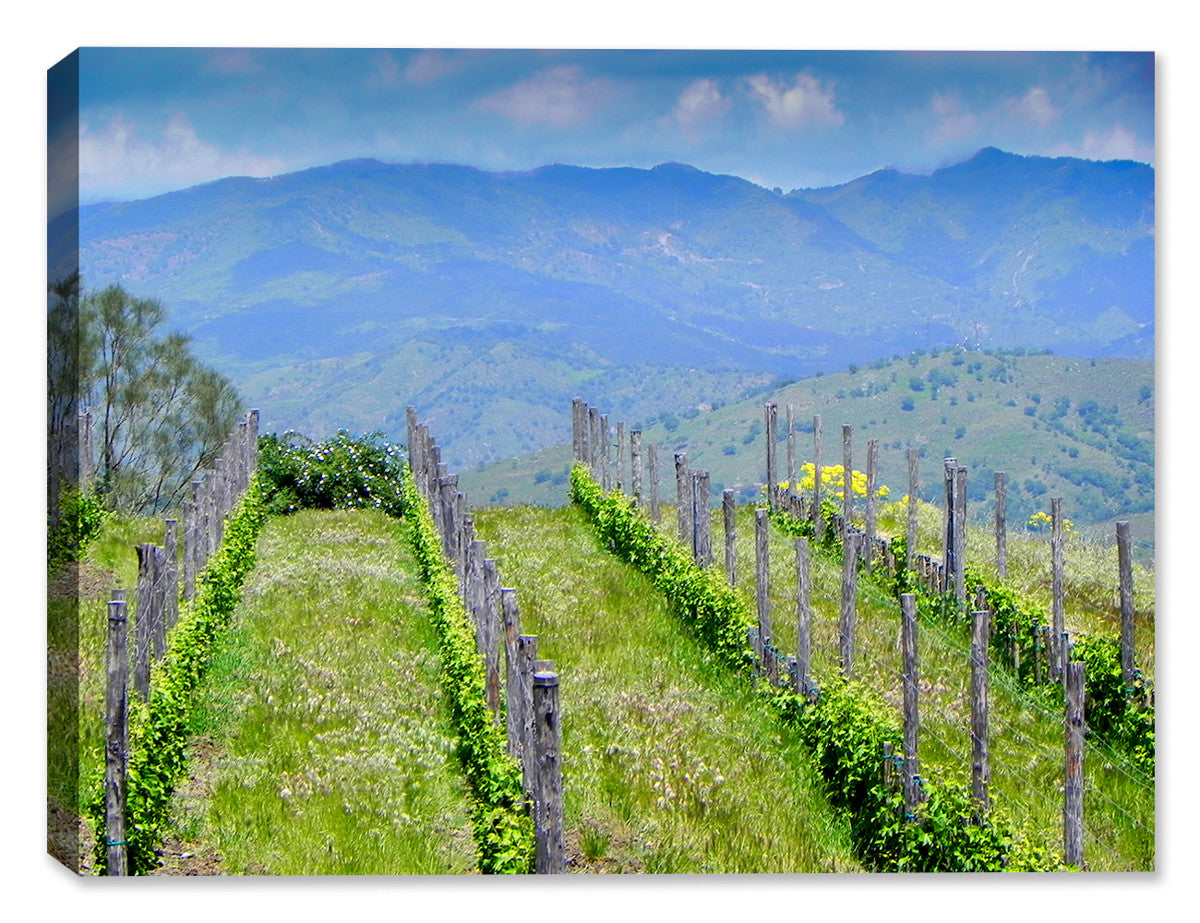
(1080, 429)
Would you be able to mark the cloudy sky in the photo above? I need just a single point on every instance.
(156, 119)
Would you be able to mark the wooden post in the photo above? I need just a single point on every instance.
(872, 474)
(771, 413)
(491, 633)
(594, 442)
(619, 476)
(791, 448)
(803, 620)
(576, 453)
(960, 536)
(701, 519)
(683, 491)
(729, 513)
(817, 515)
(526, 656)
(635, 452)
(605, 452)
(143, 634)
(1056, 586)
(762, 584)
(512, 679)
(1073, 783)
(948, 528)
(550, 855)
(911, 535)
(912, 723)
(846, 623)
(847, 477)
(1001, 525)
(116, 737)
(980, 762)
(654, 512)
(192, 531)
(170, 576)
(1125, 567)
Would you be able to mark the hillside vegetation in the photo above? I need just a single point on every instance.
(1078, 429)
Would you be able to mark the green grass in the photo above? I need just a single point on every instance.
(670, 763)
(324, 705)
(76, 629)
(1026, 730)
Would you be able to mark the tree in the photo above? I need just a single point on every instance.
(162, 415)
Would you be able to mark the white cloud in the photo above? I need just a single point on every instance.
(116, 160)
(700, 102)
(953, 121)
(559, 96)
(428, 66)
(1117, 143)
(806, 102)
(1034, 107)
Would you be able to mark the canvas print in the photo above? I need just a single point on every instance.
(615, 461)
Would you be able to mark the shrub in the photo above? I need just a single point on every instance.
(79, 520)
(343, 472)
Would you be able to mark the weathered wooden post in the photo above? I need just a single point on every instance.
(116, 736)
(170, 576)
(143, 628)
(817, 515)
(848, 617)
(191, 540)
(654, 511)
(514, 719)
(1056, 586)
(771, 413)
(960, 535)
(948, 527)
(912, 723)
(1001, 524)
(635, 452)
(847, 477)
(803, 620)
(605, 452)
(1073, 783)
(791, 448)
(526, 657)
(491, 632)
(701, 520)
(597, 440)
(729, 513)
(620, 472)
(550, 856)
(872, 475)
(576, 435)
(911, 535)
(683, 491)
(980, 761)
(762, 585)
(1125, 568)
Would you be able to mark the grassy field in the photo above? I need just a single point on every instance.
(1025, 729)
(323, 709)
(670, 764)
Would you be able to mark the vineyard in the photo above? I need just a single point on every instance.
(344, 667)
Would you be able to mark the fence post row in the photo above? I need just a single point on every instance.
(530, 687)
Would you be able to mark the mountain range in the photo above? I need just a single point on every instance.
(336, 296)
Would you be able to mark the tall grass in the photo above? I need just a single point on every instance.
(670, 762)
(1026, 729)
(336, 756)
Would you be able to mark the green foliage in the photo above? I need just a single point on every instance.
(79, 521)
(342, 472)
(161, 415)
(1121, 715)
(503, 830)
(158, 730)
(845, 731)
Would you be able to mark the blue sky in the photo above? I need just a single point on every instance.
(156, 119)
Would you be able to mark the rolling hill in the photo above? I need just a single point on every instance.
(336, 296)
